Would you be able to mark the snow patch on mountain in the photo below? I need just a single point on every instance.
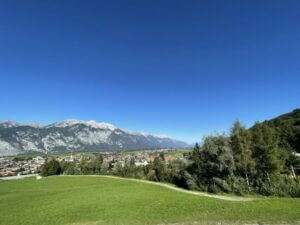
(94, 137)
(90, 123)
(8, 124)
(34, 124)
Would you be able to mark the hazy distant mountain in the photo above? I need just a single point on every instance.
(75, 135)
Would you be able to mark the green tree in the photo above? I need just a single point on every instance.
(176, 171)
(118, 169)
(194, 168)
(51, 167)
(162, 156)
(241, 148)
(159, 168)
(68, 168)
(285, 132)
(104, 168)
(266, 151)
(196, 158)
(129, 168)
(217, 163)
(216, 157)
(96, 164)
(85, 166)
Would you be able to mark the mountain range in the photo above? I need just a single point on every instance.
(76, 135)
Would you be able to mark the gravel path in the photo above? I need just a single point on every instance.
(17, 177)
(222, 197)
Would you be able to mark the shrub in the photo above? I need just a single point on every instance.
(185, 180)
(152, 175)
(218, 185)
(51, 168)
(239, 185)
(281, 185)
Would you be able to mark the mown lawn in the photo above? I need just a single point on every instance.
(101, 200)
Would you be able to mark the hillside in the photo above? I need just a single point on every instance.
(75, 135)
(288, 127)
(79, 200)
(292, 118)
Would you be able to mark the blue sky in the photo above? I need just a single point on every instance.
(178, 68)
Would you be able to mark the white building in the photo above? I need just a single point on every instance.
(39, 160)
(144, 163)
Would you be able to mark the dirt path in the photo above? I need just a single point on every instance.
(222, 197)
(18, 177)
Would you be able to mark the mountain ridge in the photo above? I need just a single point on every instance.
(76, 135)
(288, 128)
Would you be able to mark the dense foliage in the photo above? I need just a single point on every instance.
(287, 127)
(52, 167)
(248, 161)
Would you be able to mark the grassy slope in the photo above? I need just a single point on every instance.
(99, 200)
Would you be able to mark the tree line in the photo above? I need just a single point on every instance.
(258, 160)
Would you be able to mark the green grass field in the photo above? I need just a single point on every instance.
(100, 200)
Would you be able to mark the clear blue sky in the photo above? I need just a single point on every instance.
(179, 68)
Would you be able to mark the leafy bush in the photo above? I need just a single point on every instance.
(69, 168)
(185, 180)
(152, 176)
(51, 167)
(239, 185)
(282, 185)
(218, 185)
